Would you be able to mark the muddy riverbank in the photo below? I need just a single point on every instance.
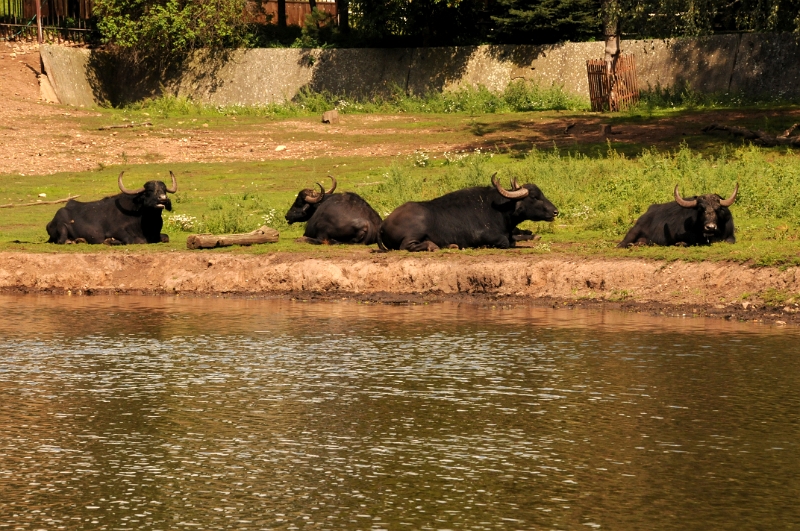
(722, 289)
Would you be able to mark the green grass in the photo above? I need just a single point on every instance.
(599, 197)
(519, 96)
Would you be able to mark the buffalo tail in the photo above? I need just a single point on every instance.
(381, 246)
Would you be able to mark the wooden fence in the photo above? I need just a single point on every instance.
(296, 11)
(54, 12)
(51, 34)
(70, 21)
(612, 91)
(63, 21)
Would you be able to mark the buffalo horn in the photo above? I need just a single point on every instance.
(315, 197)
(514, 184)
(333, 187)
(517, 194)
(174, 184)
(125, 190)
(683, 202)
(728, 202)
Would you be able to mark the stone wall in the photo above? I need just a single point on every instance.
(754, 64)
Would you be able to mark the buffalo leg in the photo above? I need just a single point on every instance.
(317, 241)
(633, 237)
(59, 234)
(729, 229)
(361, 235)
(416, 246)
(306, 239)
(164, 238)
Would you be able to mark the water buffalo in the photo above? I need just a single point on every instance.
(134, 216)
(699, 220)
(334, 218)
(473, 217)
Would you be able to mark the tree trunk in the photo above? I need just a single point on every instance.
(342, 8)
(611, 31)
(281, 13)
(312, 4)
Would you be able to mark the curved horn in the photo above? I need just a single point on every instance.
(333, 187)
(683, 202)
(174, 184)
(125, 190)
(517, 194)
(514, 184)
(728, 202)
(317, 197)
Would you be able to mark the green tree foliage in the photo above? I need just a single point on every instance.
(318, 30)
(419, 22)
(545, 21)
(677, 18)
(171, 27)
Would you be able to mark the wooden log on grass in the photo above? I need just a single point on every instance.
(210, 241)
(37, 203)
(125, 126)
(759, 138)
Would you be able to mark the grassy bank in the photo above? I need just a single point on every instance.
(599, 197)
(518, 96)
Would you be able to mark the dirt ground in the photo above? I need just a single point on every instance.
(39, 138)
(721, 289)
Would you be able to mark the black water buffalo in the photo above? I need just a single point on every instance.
(473, 217)
(699, 220)
(334, 218)
(134, 216)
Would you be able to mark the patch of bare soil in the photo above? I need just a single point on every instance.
(712, 289)
(38, 138)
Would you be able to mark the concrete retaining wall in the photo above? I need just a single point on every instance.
(69, 73)
(757, 64)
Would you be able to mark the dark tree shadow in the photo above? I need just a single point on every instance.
(119, 77)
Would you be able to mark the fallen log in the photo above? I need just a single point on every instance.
(210, 241)
(37, 203)
(760, 138)
(124, 126)
(788, 132)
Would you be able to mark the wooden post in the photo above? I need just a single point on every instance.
(39, 19)
(281, 13)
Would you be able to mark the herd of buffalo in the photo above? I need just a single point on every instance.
(469, 218)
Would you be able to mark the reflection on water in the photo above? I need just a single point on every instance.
(138, 413)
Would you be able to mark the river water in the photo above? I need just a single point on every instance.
(163, 413)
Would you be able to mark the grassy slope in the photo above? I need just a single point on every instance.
(600, 189)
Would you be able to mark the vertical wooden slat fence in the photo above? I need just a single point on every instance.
(296, 10)
(612, 91)
(63, 21)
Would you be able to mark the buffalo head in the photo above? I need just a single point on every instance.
(531, 204)
(307, 202)
(153, 195)
(709, 205)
